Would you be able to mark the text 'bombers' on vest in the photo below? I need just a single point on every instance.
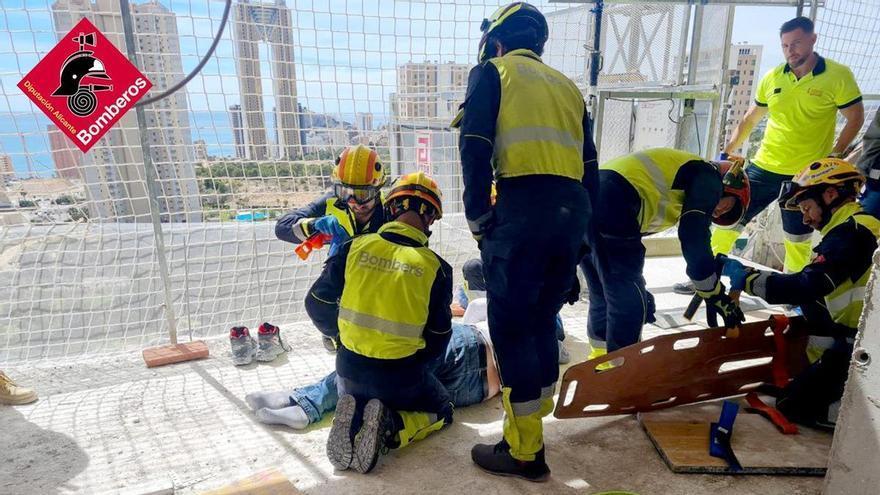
(385, 264)
(85, 135)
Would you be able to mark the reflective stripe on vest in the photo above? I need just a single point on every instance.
(342, 214)
(652, 173)
(846, 301)
(540, 120)
(384, 305)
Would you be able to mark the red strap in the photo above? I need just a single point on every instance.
(780, 371)
(771, 413)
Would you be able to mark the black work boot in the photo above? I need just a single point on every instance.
(340, 449)
(376, 436)
(496, 459)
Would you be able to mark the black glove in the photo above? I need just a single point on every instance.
(723, 305)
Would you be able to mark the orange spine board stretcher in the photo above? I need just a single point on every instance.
(683, 368)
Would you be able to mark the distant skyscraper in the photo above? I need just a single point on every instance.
(364, 121)
(113, 169)
(7, 172)
(201, 150)
(65, 155)
(237, 130)
(744, 64)
(430, 90)
(256, 23)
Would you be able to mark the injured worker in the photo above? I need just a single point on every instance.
(466, 369)
(830, 290)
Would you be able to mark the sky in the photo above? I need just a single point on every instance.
(346, 53)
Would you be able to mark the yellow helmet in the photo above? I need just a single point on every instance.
(816, 177)
(416, 185)
(509, 21)
(359, 166)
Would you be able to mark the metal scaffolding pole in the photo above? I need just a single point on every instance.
(150, 177)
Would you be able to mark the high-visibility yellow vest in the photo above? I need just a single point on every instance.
(652, 172)
(846, 301)
(540, 120)
(384, 305)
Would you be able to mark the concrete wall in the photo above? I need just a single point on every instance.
(853, 466)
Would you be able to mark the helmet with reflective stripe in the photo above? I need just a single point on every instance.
(812, 181)
(736, 185)
(359, 166)
(512, 21)
(415, 192)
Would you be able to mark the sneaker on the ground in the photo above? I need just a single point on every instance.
(373, 437)
(244, 347)
(684, 288)
(269, 343)
(496, 459)
(13, 394)
(564, 356)
(339, 443)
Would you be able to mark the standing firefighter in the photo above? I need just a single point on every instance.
(386, 297)
(641, 194)
(528, 124)
(830, 289)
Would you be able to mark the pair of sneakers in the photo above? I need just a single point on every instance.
(353, 446)
(266, 348)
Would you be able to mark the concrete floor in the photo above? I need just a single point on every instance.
(113, 426)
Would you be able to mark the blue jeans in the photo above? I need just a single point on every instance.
(461, 369)
(765, 187)
(870, 200)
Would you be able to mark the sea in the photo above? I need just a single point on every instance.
(23, 137)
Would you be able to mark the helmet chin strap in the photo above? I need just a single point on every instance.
(828, 208)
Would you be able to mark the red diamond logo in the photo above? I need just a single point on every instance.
(84, 85)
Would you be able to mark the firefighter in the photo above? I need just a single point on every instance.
(353, 207)
(830, 290)
(526, 123)
(385, 297)
(641, 194)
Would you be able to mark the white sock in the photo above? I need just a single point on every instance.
(293, 416)
(272, 400)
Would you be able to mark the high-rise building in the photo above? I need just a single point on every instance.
(65, 155)
(7, 171)
(364, 121)
(113, 169)
(237, 126)
(201, 150)
(427, 99)
(430, 90)
(255, 23)
(744, 66)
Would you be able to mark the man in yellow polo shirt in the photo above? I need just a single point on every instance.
(801, 99)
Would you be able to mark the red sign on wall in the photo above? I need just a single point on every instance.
(423, 152)
(84, 85)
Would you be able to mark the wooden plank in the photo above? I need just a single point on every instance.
(175, 353)
(681, 437)
(269, 482)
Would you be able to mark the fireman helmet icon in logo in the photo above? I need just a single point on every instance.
(82, 65)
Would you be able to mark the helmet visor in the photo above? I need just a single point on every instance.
(360, 194)
(789, 194)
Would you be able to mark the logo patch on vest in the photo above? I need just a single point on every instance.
(373, 262)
